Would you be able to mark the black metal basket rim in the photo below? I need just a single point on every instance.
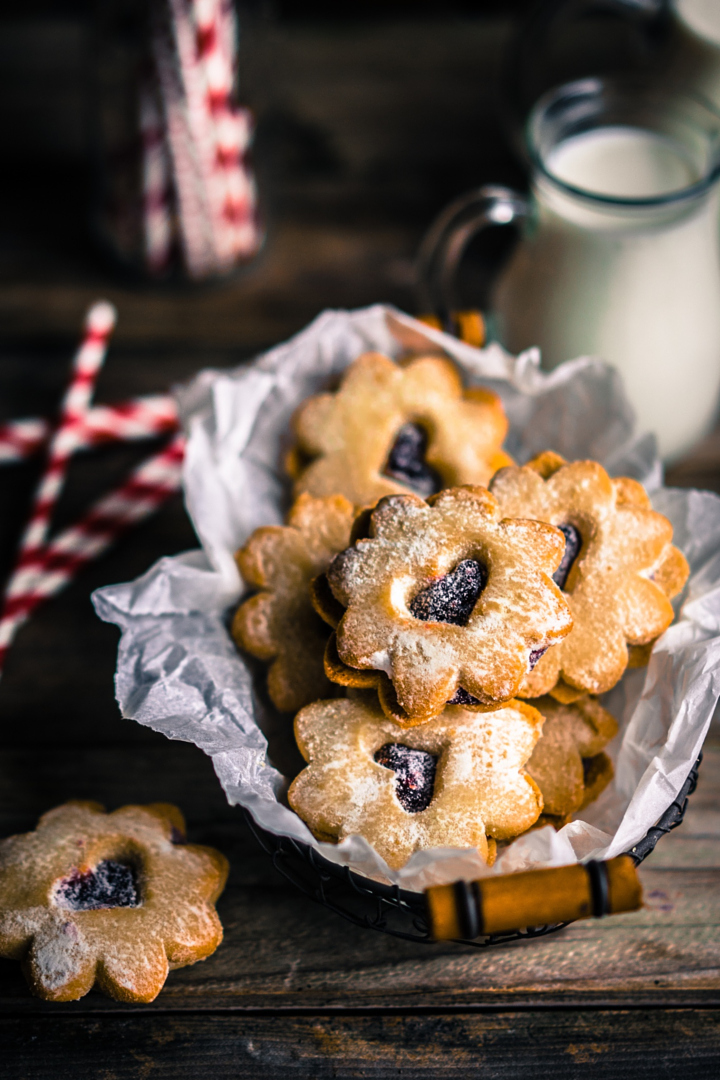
(668, 821)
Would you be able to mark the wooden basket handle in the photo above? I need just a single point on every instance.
(496, 905)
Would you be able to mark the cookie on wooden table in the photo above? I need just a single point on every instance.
(113, 900)
(457, 781)
(446, 601)
(618, 572)
(397, 428)
(278, 624)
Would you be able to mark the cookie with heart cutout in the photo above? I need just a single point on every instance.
(446, 600)
(114, 900)
(457, 781)
(619, 569)
(392, 427)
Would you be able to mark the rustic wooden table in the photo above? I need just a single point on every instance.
(293, 989)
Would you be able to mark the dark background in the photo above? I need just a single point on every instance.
(370, 116)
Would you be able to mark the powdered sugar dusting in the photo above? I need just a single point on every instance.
(71, 897)
(238, 421)
(478, 787)
(446, 595)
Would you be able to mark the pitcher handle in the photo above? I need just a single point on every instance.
(444, 244)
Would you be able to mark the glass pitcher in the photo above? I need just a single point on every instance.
(619, 253)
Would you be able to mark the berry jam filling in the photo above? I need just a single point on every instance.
(461, 697)
(111, 884)
(406, 461)
(573, 543)
(414, 774)
(536, 654)
(451, 599)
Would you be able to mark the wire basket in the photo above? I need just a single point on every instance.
(392, 910)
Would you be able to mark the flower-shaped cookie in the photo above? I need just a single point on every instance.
(618, 572)
(572, 737)
(455, 781)
(598, 771)
(397, 429)
(278, 624)
(114, 899)
(444, 597)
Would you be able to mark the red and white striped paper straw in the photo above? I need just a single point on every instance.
(22, 438)
(50, 570)
(99, 324)
(138, 418)
(187, 135)
(156, 181)
(233, 189)
(208, 134)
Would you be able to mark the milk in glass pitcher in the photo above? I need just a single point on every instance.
(619, 254)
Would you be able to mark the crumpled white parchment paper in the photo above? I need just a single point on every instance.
(180, 673)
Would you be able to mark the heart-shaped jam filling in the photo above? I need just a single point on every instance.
(451, 598)
(111, 884)
(414, 774)
(406, 461)
(573, 543)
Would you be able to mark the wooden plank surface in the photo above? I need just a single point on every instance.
(607, 1044)
(282, 951)
(293, 987)
(355, 152)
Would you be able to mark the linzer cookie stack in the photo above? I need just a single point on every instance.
(441, 620)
